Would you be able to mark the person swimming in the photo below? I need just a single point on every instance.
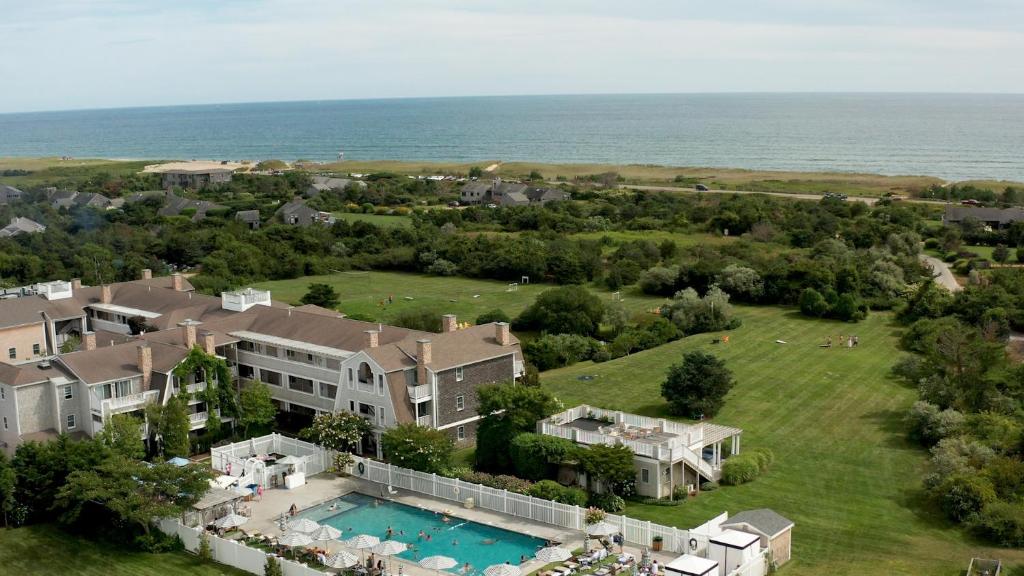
(389, 532)
(455, 542)
(488, 541)
(466, 568)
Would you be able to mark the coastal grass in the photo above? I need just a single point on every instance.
(58, 172)
(44, 550)
(844, 471)
(376, 219)
(366, 293)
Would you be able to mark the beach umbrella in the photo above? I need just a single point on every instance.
(304, 525)
(602, 529)
(553, 554)
(389, 548)
(438, 562)
(503, 570)
(230, 521)
(362, 542)
(293, 539)
(325, 533)
(341, 560)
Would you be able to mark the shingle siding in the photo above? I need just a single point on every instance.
(474, 375)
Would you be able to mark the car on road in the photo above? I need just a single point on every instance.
(453, 204)
(970, 202)
(835, 195)
(700, 188)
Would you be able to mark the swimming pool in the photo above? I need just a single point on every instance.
(478, 544)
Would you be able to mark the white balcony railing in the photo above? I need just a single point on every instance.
(419, 393)
(197, 387)
(198, 417)
(426, 421)
(131, 401)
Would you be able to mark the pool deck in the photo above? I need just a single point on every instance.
(324, 487)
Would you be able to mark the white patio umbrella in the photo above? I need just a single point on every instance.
(602, 528)
(438, 562)
(503, 570)
(230, 521)
(341, 560)
(293, 539)
(553, 554)
(325, 533)
(362, 542)
(389, 548)
(304, 525)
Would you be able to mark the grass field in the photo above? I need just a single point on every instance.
(362, 292)
(377, 219)
(55, 170)
(843, 470)
(47, 551)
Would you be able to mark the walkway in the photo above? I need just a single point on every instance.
(945, 276)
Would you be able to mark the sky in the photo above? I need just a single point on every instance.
(75, 54)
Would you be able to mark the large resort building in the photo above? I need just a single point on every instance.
(666, 454)
(312, 359)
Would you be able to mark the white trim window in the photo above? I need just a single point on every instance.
(380, 415)
(3, 393)
(380, 384)
(5, 422)
(645, 475)
(12, 353)
(460, 432)
(460, 403)
(71, 421)
(69, 392)
(459, 374)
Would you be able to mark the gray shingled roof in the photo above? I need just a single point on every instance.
(1003, 216)
(764, 520)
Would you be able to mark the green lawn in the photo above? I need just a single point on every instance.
(377, 219)
(362, 293)
(833, 417)
(47, 551)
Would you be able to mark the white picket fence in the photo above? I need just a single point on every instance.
(317, 458)
(232, 553)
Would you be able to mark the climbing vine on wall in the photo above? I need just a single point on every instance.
(218, 393)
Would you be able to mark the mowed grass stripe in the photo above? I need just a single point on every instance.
(844, 471)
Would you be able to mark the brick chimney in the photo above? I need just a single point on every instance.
(188, 333)
(88, 340)
(449, 323)
(501, 333)
(147, 273)
(105, 296)
(178, 282)
(371, 339)
(76, 284)
(423, 358)
(145, 364)
(208, 343)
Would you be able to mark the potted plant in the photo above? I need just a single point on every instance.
(656, 543)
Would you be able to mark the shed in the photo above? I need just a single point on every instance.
(690, 565)
(733, 549)
(774, 529)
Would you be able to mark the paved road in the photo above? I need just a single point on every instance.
(945, 275)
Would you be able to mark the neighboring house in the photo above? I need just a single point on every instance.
(324, 183)
(297, 213)
(667, 454)
(176, 205)
(61, 198)
(250, 218)
(994, 218)
(21, 225)
(194, 175)
(93, 200)
(9, 194)
(775, 530)
(508, 193)
(313, 360)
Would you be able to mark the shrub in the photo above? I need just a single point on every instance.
(551, 490)
(557, 350)
(608, 502)
(535, 456)
(496, 315)
(697, 385)
(272, 567)
(498, 482)
(205, 553)
(740, 469)
(928, 425)
(962, 495)
(812, 303)
(594, 515)
(680, 493)
(1001, 523)
(764, 458)
(709, 486)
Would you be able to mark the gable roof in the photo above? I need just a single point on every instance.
(9, 193)
(764, 520)
(176, 205)
(1001, 215)
(248, 215)
(20, 225)
(447, 349)
(24, 374)
(92, 199)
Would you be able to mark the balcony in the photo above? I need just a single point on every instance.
(198, 419)
(419, 393)
(197, 387)
(426, 421)
(130, 402)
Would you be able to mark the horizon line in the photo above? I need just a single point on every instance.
(550, 95)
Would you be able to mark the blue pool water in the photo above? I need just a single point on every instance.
(465, 541)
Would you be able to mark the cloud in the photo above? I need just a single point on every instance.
(106, 53)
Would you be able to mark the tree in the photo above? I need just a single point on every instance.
(7, 480)
(740, 281)
(849, 308)
(323, 295)
(697, 386)
(42, 468)
(418, 448)
(272, 567)
(122, 435)
(557, 350)
(564, 310)
(812, 303)
(135, 492)
(341, 431)
(138, 325)
(616, 316)
(424, 320)
(1001, 253)
(475, 171)
(536, 456)
(169, 425)
(496, 315)
(693, 315)
(255, 406)
(507, 411)
(611, 464)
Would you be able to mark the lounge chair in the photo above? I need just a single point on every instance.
(392, 491)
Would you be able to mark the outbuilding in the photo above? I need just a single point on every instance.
(690, 565)
(775, 531)
(733, 549)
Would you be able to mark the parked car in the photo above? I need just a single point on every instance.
(835, 195)
(701, 188)
(453, 204)
(970, 202)
(492, 205)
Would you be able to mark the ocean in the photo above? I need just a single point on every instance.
(955, 137)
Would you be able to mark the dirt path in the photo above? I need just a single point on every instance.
(492, 167)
